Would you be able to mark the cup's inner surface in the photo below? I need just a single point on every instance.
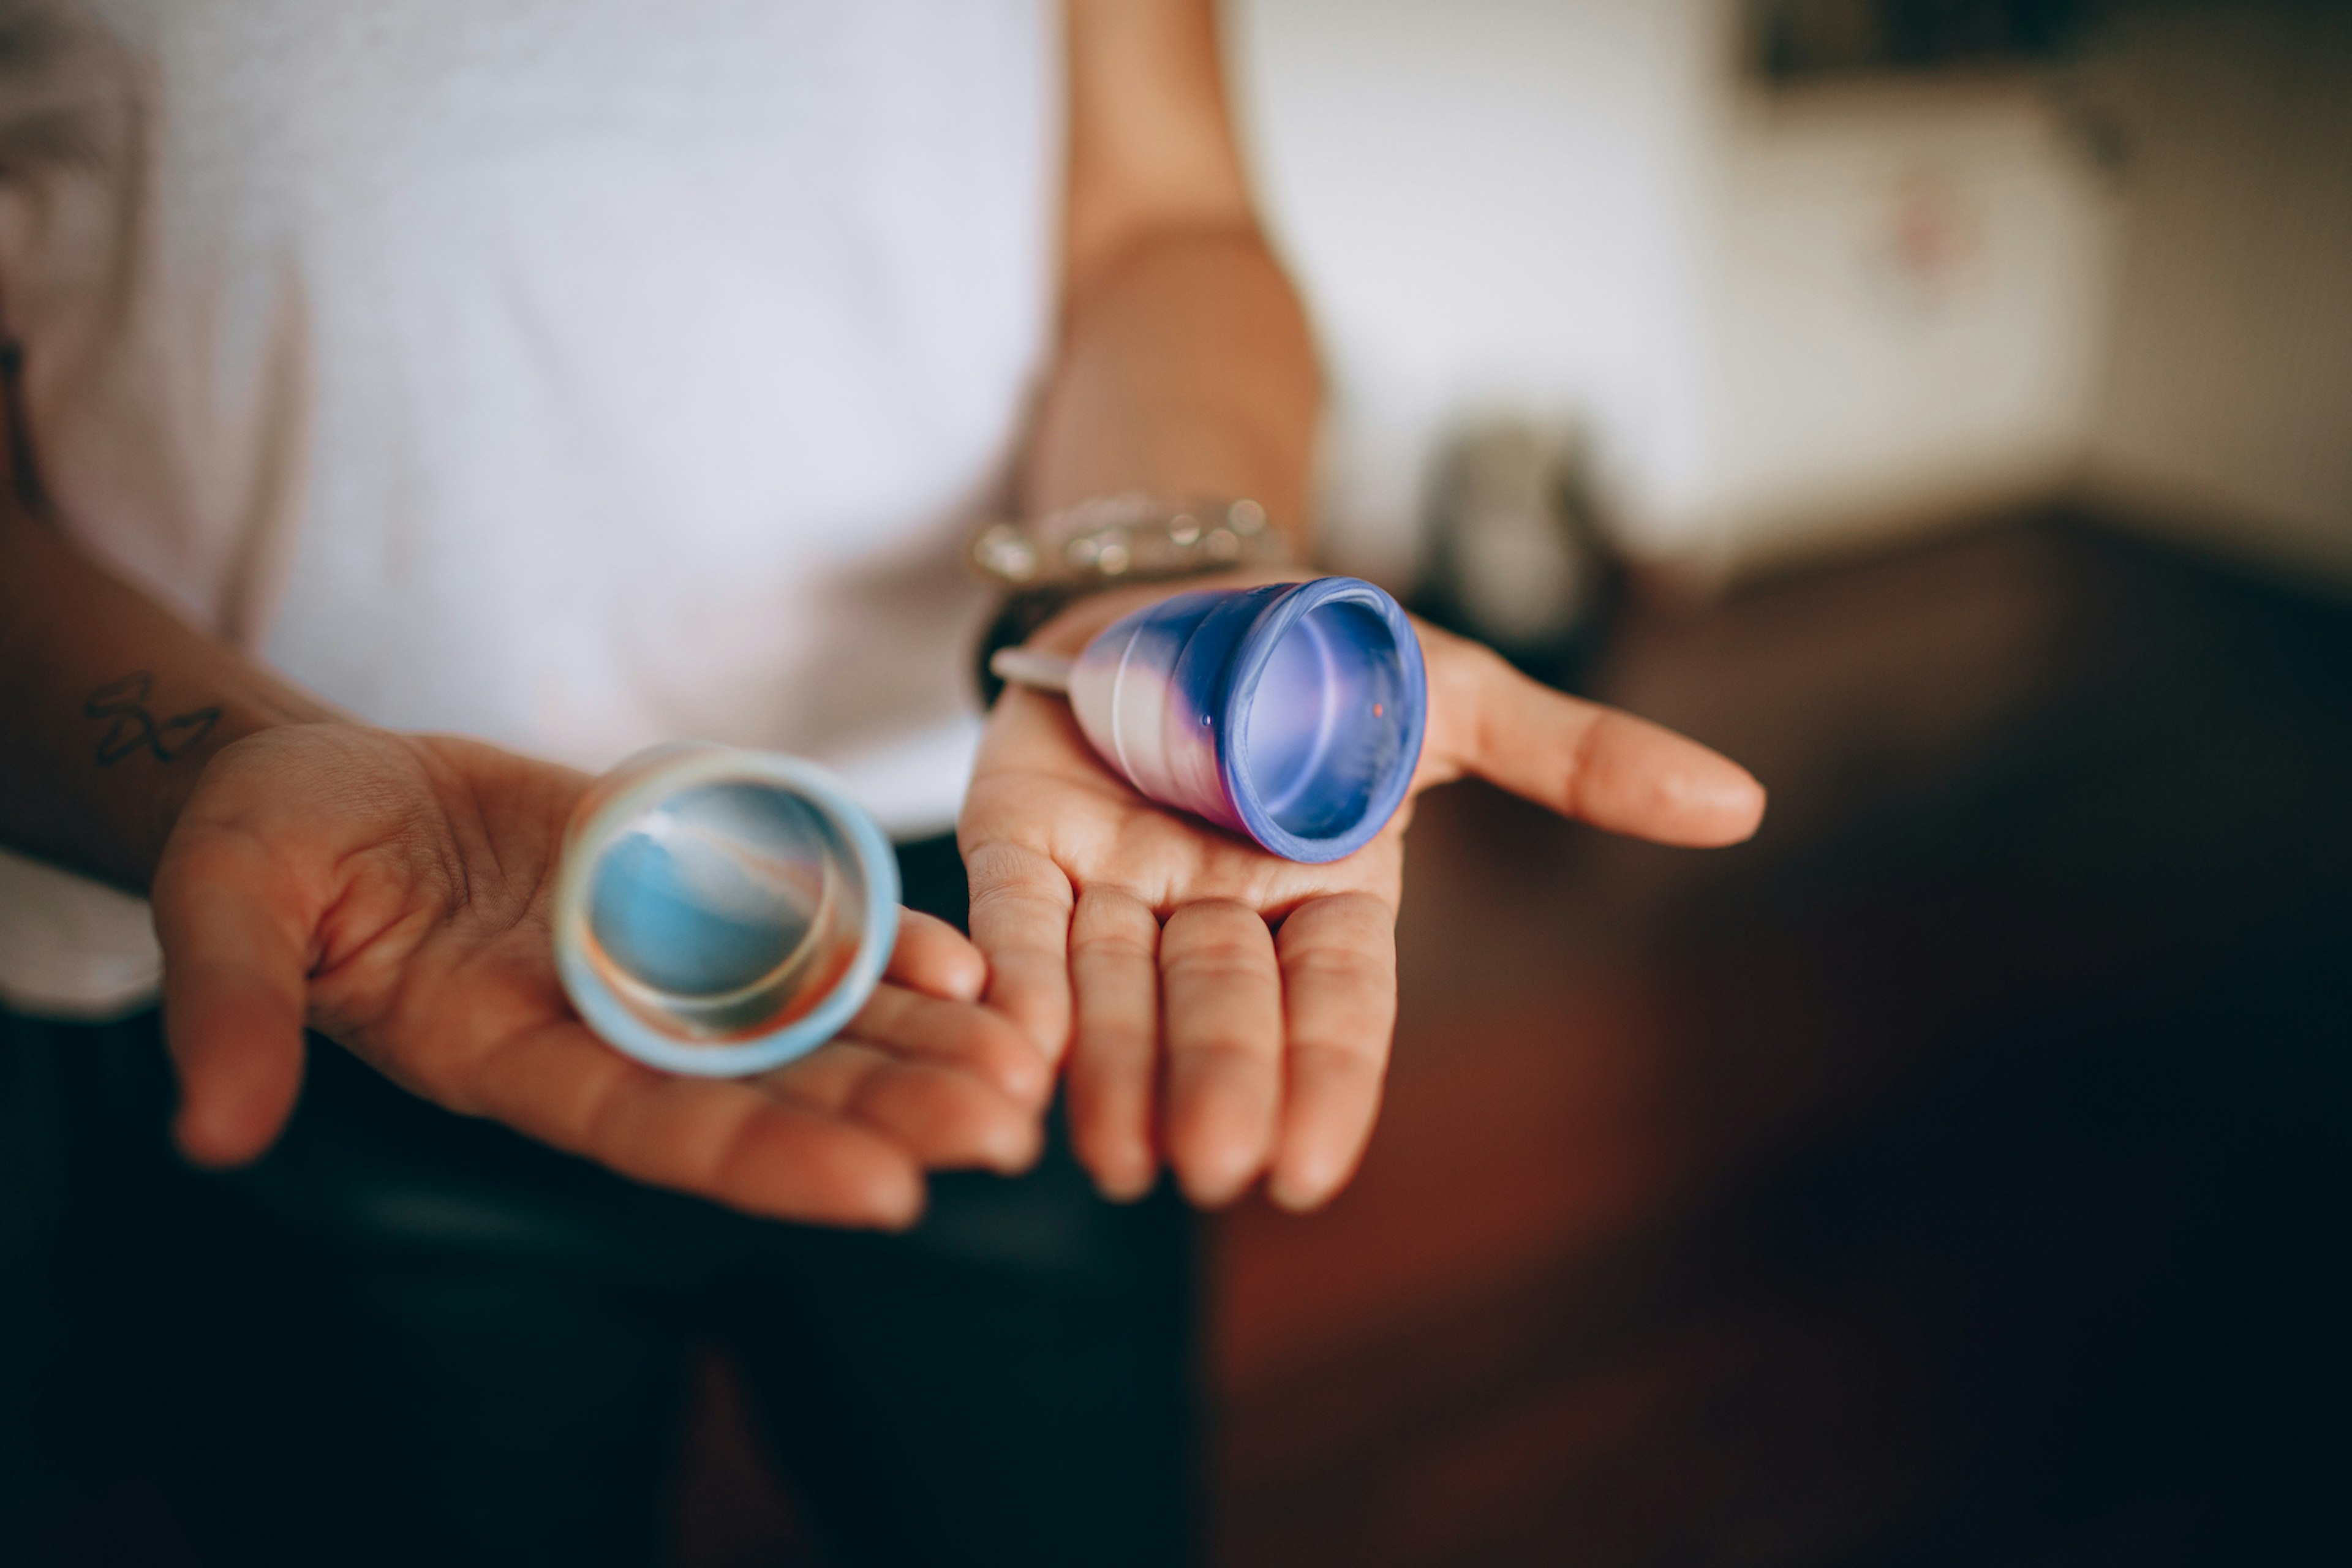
(725, 909)
(1327, 723)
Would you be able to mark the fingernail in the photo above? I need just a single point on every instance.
(1299, 1194)
(900, 1210)
(1025, 1078)
(209, 1137)
(1723, 800)
(1127, 1186)
(1215, 1187)
(1047, 1045)
(1016, 1147)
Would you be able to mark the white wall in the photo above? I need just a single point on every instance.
(1572, 207)
(1908, 298)
(1488, 202)
(2225, 412)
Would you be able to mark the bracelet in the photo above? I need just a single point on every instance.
(1128, 538)
(1050, 562)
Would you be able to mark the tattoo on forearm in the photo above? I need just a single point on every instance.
(132, 728)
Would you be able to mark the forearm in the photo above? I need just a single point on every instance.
(109, 707)
(1184, 368)
(1185, 371)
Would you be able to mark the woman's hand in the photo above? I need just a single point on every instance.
(1228, 1010)
(391, 891)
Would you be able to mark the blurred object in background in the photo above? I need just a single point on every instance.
(1516, 556)
(1945, 1177)
(2222, 417)
(1818, 278)
(1800, 38)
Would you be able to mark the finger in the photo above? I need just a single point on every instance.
(945, 1118)
(1605, 766)
(235, 995)
(1115, 973)
(721, 1140)
(1338, 996)
(932, 955)
(957, 1035)
(1220, 1007)
(1021, 923)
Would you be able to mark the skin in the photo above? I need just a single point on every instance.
(389, 890)
(1226, 1010)
(1216, 1009)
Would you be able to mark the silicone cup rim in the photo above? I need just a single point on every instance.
(611, 1019)
(1255, 647)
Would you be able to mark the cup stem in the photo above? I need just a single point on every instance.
(1043, 671)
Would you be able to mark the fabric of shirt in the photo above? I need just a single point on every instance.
(578, 375)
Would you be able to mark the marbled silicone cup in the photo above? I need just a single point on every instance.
(1292, 713)
(721, 912)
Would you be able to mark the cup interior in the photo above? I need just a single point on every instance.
(1330, 719)
(725, 909)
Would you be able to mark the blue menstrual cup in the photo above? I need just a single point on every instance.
(720, 911)
(1292, 713)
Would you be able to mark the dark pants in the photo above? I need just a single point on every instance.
(404, 1337)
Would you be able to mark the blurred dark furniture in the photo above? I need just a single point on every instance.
(1951, 1175)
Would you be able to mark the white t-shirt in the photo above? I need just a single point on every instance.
(573, 373)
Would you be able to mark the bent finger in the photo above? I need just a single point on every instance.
(946, 1119)
(1020, 922)
(960, 1035)
(1114, 969)
(1339, 992)
(715, 1138)
(235, 999)
(1221, 994)
(1587, 760)
(932, 956)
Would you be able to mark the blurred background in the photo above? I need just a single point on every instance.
(1811, 276)
(1944, 407)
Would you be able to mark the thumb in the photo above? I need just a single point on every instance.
(233, 1002)
(1607, 767)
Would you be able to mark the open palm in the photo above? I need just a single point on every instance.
(391, 891)
(1228, 1010)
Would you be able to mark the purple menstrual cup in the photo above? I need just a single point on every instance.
(1292, 712)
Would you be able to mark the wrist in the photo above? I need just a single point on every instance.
(1079, 620)
(178, 783)
(1064, 620)
(1078, 569)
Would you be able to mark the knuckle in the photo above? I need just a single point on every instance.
(1221, 965)
(1108, 1044)
(1339, 1057)
(1214, 936)
(1114, 918)
(997, 864)
(1018, 900)
(1220, 1054)
(1112, 956)
(1352, 921)
(1212, 913)
(1336, 970)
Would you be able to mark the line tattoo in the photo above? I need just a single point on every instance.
(132, 728)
